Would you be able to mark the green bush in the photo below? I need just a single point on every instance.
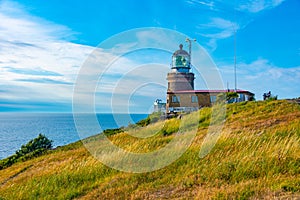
(113, 131)
(226, 97)
(144, 122)
(41, 142)
(152, 118)
(272, 98)
(33, 148)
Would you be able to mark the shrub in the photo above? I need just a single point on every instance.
(152, 118)
(39, 143)
(272, 98)
(143, 122)
(226, 97)
(109, 132)
(33, 148)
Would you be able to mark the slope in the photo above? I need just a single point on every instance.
(257, 156)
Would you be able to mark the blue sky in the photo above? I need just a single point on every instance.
(43, 45)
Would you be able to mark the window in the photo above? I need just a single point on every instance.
(194, 99)
(175, 99)
(180, 61)
(242, 97)
(213, 99)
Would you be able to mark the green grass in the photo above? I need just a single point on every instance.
(257, 156)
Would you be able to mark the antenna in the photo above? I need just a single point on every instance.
(190, 47)
(234, 32)
(235, 81)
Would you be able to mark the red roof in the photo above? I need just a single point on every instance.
(209, 91)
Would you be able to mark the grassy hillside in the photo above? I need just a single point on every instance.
(257, 156)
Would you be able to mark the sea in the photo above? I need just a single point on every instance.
(17, 129)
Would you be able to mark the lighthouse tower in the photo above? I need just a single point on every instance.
(181, 95)
(180, 78)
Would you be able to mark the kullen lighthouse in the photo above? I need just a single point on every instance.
(181, 94)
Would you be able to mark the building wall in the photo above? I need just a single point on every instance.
(205, 99)
(186, 100)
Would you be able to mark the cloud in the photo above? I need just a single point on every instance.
(255, 6)
(222, 28)
(35, 72)
(209, 4)
(17, 106)
(20, 25)
(223, 21)
(261, 76)
(37, 61)
(216, 29)
(39, 64)
(44, 80)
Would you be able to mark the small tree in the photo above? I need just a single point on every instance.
(33, 148)
(222, 97)
(231, 95)
(39, 143)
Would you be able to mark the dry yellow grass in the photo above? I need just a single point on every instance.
(256, 157)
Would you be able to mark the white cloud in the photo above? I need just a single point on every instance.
(261, 76)
(218, 28)
(223, 21)
(209, 4)
(37, 63)
(17, 25)
(223, 24)
(255, 6)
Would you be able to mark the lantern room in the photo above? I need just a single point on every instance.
(181, 61)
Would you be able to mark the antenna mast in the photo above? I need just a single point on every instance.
(235, 81)
(234, 32)
(190, 48)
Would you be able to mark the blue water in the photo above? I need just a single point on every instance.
(18, 128)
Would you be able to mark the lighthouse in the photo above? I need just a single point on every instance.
(181, 94)
(180, 78)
